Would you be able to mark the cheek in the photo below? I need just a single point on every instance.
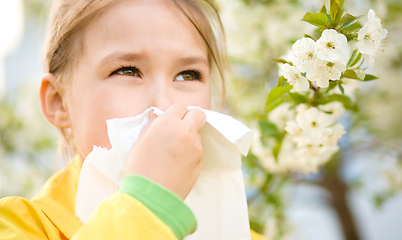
(193, 94)
(206, 100)
(89, 125)
(90, 110)
(200, 97)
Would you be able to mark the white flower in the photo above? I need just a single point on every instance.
(308, 126)
(332, 135)
(325, 71)
(303, 55)
(301, 108)
(371, 37)
(281, 114)
(346, 55)
(331, 46)
(336, 109)
(313, 122)
(310, 157)
(295, 131)
(294, 77)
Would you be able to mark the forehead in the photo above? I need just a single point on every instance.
(147, 27)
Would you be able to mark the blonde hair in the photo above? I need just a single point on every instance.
(63, 46)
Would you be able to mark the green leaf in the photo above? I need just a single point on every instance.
(268, 129)
(346, 17)
(349, 20)
(276, 149)
(353, 27)
(352, 57)
(340, 3)
(308, 36)
(277, 92)
(344, 99)
(370, 77)
(281, 80)
(341, 88)
(334, 11)
(381, 198)
(350, 74)
(351, 36)
(323, 9)
(297, 97)
(272, 199)
(332, 85)
(254, 224)
(360, 64)
(360, 74)
(316, 19)
(357, 59)
(280, 60)
(273, 105)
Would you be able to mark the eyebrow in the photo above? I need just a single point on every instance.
(193, 61)
(133, 57)
(122, 57)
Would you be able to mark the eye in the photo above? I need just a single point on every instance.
(189, 75)
(127, 71)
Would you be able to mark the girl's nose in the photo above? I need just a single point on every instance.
(161, 96)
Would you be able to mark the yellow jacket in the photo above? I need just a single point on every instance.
(50, 215)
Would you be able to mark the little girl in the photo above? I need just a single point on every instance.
(111, 59)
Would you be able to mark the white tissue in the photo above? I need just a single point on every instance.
(217, 199)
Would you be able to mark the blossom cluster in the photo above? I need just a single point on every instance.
(315, 136)
(301, 131)
(311, 139)
(326, 59)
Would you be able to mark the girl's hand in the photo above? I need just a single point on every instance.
(169, 149)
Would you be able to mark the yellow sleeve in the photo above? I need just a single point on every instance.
(256, 236)
(118, 217)
(20, 219)
(123, 217)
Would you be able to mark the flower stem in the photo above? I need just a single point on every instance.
(315, 98)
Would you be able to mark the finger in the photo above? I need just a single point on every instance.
(175, 110)
(152, 116)
(195, 118)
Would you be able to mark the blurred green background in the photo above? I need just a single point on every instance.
(365, 177)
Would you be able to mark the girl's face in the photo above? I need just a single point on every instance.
(136, 55)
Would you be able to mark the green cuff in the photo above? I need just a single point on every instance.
(166, 205)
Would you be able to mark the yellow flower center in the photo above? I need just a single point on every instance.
(330, 45)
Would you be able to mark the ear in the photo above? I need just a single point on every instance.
(52, 102)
